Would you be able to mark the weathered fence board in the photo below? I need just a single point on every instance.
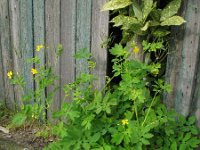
(2, 88)
(83, 31)
(195, 104)
(99, 34)
(182, 62)
(52, 15)
(26, 41)
(16, 52)
(6, 52)
(39, 36)
(68, 32)
(75, 24)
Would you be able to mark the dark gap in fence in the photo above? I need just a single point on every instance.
(115, 35)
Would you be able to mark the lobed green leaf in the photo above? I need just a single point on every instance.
(116, 4)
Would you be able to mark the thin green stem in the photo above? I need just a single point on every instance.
(149, 108)
(136, 112)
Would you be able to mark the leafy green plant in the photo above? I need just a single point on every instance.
(127, 116)
(144, 16)
(34, 102)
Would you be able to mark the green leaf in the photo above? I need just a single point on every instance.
(191, 120)
(118, 50)
(86, 146)
(87, 121)
(187, 137)
(170, 10)
(95, 137)
(117, 138)
(137, 10)
(116, 4)
(160, 32)
(182, 146)
(59, 130)
(73, 114)
(175, 20)
(148, 135)
(18, 119)
(107, 147)
(173, 146)
(147, 8)
(82, 54)
(145, 26)
(145, 141)
(194, 142)
(125, 21)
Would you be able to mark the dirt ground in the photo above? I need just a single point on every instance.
(23, 138)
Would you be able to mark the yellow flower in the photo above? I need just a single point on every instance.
(136, 50)
(124, 121)
(9, 74)
(39, 47)
(34, 71)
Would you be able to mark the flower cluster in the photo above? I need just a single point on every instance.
(34, 71)
(136, 50)
(10, 74)
(124, 121)
(39, 47)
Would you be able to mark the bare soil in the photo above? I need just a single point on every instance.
(23, 138)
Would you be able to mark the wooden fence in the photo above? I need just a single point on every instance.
(78, 24)
(183, 66)
(24, 24)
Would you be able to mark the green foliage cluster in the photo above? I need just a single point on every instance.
(124, 117)
(144, 17)
(34, 102)
(129, 115)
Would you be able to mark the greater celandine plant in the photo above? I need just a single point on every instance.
(126, 116)
(34, 103)
(129, 115)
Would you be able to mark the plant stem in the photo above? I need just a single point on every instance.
(149, 108)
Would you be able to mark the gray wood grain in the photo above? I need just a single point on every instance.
(182, 62)
(2, 88)
(99, 33)
(14, 11)
(52, 26)
(6, 53)
(68, 28)
(83, 32)
(26, 42)
(39, 39)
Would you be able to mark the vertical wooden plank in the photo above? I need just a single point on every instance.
(195, 105)
(17, 54)
(68, 27)
(39, 37)
(189, 58)
(26, 40)
(52, 24)
(2, 88)
(174, 59)
(83, 32)
(100, 22)
(187, 54)
(39, 34)
(22, 42)
(6, 52)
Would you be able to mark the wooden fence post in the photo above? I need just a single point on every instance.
(183, 58)
(68, 32)
(52, 26)
(99, 33)
(83, 31)
(7, 64)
